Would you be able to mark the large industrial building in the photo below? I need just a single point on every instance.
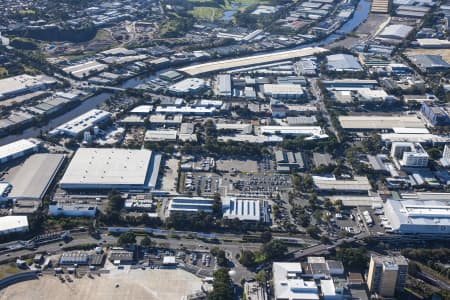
(366, 122)
(35, 176)
(188, 86)
(224, 85)
(283, 91)
(396, 31)
(85, 69)
(251, 60)
(190, 204)
(77, 126)
(314, 131)
(343, 63)
(248, 210)
(415, 216)
(359, 184)
(387, 275)
(13, 224)
(105, 169)
(18, 149)
(430, 63)
(22, 84)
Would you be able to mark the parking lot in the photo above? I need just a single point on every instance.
(200, 183)
(260, 184)
(233, 165)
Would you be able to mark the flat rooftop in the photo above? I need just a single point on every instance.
(251, 60)
(8, 223)
(243, 209)
(380, 122)
(33, 179)
(358, 183)
(12, 149)
(104, 168)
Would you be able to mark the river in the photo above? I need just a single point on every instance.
(360, 14)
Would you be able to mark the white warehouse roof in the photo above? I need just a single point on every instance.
(10, 224)
(399, 31)
(17, 149)
(243, 209)
(418, 216)
(251, 60)
(82, 123)
(343, 62)
(101, 168)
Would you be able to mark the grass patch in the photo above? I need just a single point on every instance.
(206, 13)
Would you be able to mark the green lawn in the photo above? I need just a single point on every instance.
(206, 13)
(214, 13)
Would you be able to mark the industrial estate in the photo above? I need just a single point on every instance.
(221, 150)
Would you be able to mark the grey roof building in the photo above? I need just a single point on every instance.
(397, 31)
(343, 62)
(287, 160)
(35, 176)
(430, 63)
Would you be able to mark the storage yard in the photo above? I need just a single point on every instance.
(119, 284)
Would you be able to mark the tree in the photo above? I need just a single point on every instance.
(261, 277)
(266, 236)
(217, 206)
(146, 242)
(127, 238)
(352, 257)
(434, 153)
(222, 260)
(274, 249)
(247, 258)
(312, 231)
(115, 203)
(222, 288)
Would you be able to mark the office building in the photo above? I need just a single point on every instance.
(105, 169)
(445, 160)
(387, 275)
(329, 291)
(409, 154)
(436, 116)
(287, 160)
(288, 284)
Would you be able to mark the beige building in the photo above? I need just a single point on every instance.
(387, 275)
